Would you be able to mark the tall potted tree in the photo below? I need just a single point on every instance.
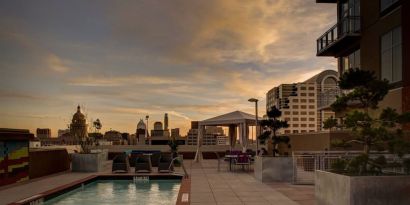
(276, 165)
(362, 179)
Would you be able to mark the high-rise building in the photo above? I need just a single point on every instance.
(43, 133)
(305, 105)
(372, 35)
(166, 121)
(210, 136)
(175, 132)
(141, 132)
(61, 132)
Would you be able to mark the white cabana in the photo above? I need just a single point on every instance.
(233, 120)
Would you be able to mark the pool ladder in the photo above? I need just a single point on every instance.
(182, 165)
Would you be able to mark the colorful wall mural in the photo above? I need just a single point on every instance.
(14, 157)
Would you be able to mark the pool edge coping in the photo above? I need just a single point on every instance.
(39, 197)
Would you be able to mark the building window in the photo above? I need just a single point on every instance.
(311, 119)
(303, 100)
(295, 100)
(311, 125)
(295, 119)
(287, 131)
(287, 112)
(295, 131)
(295, 106)
(350, 61)
(311, 113)
(311, 107)
(302, 94)
(303, 119)
(303, 125)
(295, 125)
(302, 88)
(384, 4)
(311, 88)
(295, 112)
(303, 131)
(311, 100)
(303, 106)
(311, 94)
(303, 113)
(391, 53)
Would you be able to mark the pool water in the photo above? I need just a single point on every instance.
(121, 192)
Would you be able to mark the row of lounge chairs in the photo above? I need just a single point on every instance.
(143, 163)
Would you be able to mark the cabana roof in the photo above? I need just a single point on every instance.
(230, 118)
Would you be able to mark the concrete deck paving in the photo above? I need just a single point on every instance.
(208, 186)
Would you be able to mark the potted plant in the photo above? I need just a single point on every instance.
(362, 179)
(85, 160)
(277, 165)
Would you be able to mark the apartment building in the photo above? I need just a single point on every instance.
(305, 105)
(213, 135)
(373, 35)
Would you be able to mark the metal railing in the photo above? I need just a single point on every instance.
(345, 26)
(305, 163)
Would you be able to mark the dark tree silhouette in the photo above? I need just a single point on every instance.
(270, 127)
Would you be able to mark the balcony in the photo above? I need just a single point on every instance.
(339, 39)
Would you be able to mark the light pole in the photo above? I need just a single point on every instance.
(146, 130)
(256, 126)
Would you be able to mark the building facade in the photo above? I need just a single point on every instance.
(373, 35)
(304, 105)
(43, 133)
(211, 136)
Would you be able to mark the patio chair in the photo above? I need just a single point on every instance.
(165, 163)
(143, 164)
(244, 161)
(120, 163)
(155, 158)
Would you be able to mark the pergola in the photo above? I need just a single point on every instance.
(232, 120)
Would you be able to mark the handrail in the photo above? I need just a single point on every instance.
(182, 165)
(346, 25)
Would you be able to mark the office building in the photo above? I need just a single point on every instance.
(209, 138)
(305, 105)
(43, 133)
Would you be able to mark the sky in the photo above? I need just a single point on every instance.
(123, 60)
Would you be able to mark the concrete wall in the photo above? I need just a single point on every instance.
(336, 189)
(87, 162)
(46, 162)
(273, 169)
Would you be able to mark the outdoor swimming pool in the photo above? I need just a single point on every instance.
(121, 192)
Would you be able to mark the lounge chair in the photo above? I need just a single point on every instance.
(165, 163)
(143, 164)
(155, 158)
(120, 163)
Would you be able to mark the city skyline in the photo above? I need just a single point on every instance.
(122, 61)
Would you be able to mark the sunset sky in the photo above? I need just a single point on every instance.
(122, 60)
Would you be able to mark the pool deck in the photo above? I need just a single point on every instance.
(208, 186)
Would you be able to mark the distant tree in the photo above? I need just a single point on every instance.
(270, 127)
(330, 123)
(97, 125)
(364, 92)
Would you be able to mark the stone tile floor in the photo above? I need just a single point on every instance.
(208, 186)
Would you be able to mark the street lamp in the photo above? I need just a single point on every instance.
(146, 130)
(256, 126)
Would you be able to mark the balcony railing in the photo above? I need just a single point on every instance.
(347, 26)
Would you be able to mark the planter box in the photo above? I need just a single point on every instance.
(87, 162)
(273, 169)
(337, 189)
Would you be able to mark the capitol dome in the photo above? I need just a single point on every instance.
(78, 117)
(141, 125)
